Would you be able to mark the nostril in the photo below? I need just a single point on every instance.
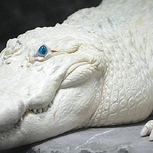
(13, 42)
(10, 113)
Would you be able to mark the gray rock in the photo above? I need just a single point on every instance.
(117, 139)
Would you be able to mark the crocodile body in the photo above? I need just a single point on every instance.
(95, 69)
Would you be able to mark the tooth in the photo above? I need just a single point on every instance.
(39, 110)
(35, 111)
(45, 109)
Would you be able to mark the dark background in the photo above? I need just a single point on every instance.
(18, 16)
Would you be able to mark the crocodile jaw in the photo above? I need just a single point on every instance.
(45, 97)
(65, 114)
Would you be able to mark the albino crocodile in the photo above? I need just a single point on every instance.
(95, 69)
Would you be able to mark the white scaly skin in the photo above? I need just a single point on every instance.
(98, 71)
(59, 80)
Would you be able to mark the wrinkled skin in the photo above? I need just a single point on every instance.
(47, 90)
(95, 73)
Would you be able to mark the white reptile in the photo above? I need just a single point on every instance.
(95, 69)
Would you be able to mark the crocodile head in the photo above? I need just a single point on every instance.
(51, 81)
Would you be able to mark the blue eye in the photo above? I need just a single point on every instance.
(42, 51)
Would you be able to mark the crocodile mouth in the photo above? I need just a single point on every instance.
(41, 110)
(10, 129)
(7, 130)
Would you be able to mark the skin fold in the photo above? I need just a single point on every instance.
(95, 69)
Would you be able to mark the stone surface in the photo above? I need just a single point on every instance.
(118, 139)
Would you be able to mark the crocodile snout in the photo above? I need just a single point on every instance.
(10, 112)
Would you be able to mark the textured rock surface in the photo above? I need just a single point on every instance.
(121, 139)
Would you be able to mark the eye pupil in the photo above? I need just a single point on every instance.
(43, 50)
